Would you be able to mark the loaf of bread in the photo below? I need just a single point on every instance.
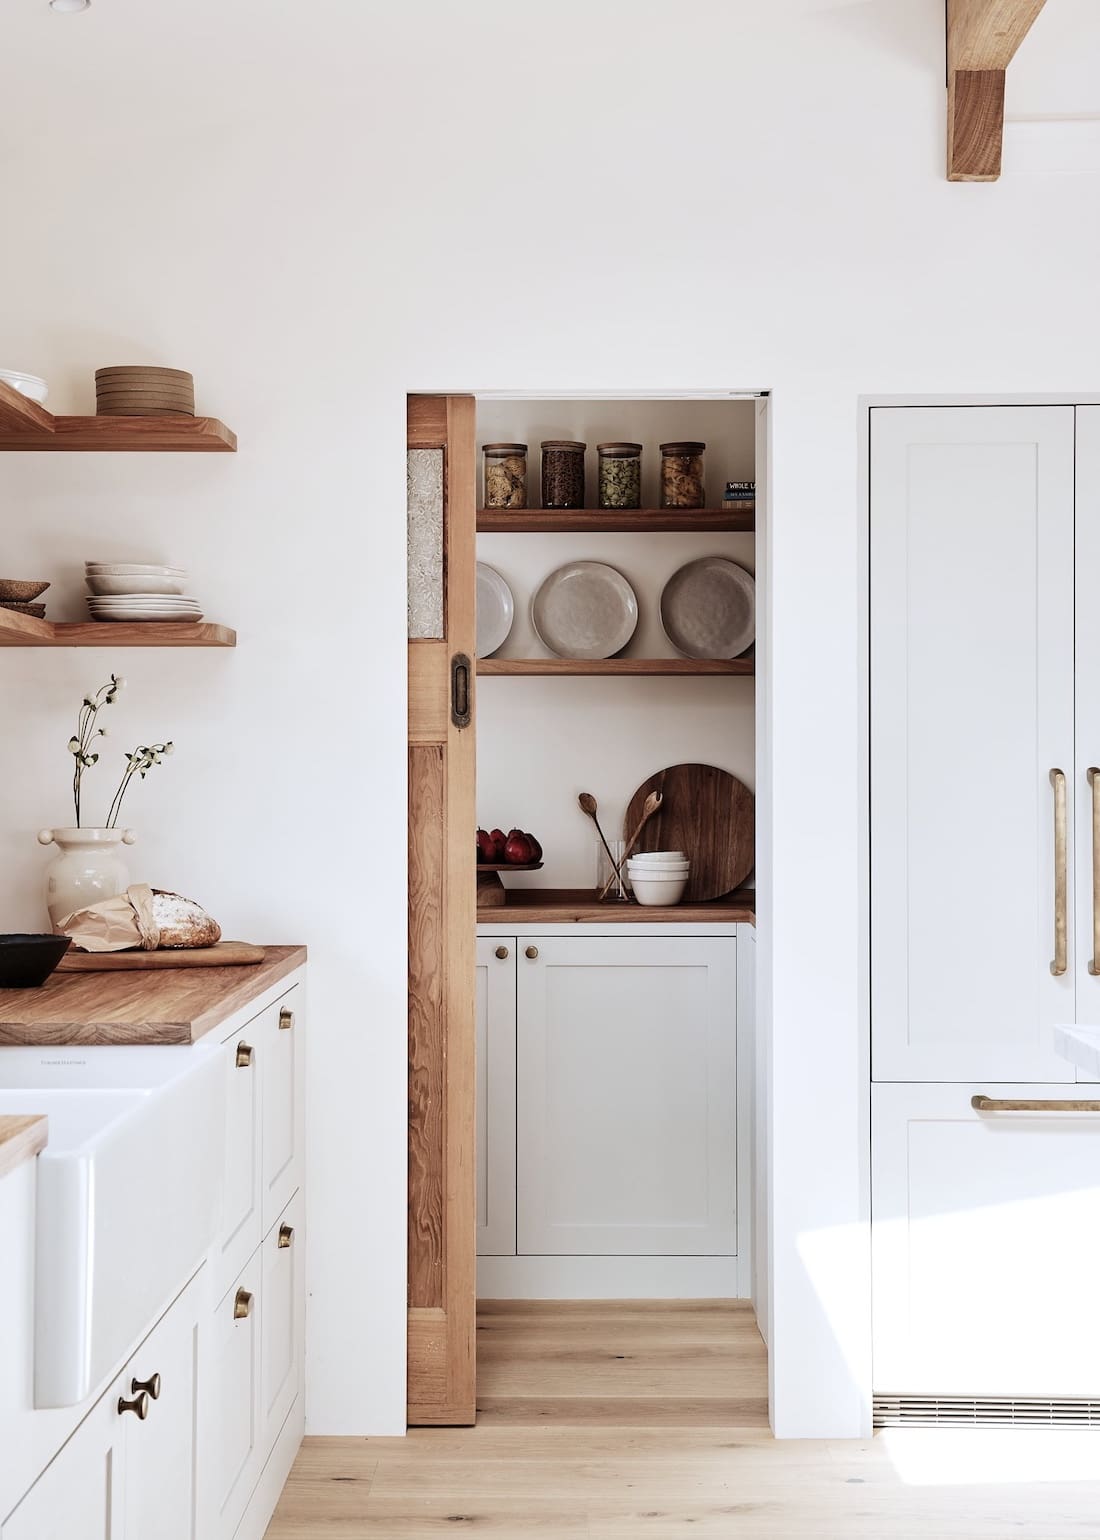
(182, 922)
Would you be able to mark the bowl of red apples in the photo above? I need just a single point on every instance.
(516, 848)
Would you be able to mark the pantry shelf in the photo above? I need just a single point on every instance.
(616, 667)
(25, 425)
(512, 521)
(27, 631)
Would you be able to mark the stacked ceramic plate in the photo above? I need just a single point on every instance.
(659, 877)
(138, 390)
(129, 590)
(26, 384)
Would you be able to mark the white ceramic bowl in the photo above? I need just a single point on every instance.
(658, 873)
(661, 858)
(26, 384)
(135, 583)
(131, 569)
(653, 891)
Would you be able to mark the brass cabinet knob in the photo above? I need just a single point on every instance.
(532, 952)
(286, 1236)
(139, 1406)
(151, 1385)
(244, 1055)
(242, 1305)
(286, 1019)
(502, 952)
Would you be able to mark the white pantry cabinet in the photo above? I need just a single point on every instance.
(608, 1113)
(985, 1244)
(972, 709)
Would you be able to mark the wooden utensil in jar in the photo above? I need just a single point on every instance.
(652, 803)
(587, 804)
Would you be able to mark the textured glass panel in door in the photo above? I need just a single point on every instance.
(425, 514)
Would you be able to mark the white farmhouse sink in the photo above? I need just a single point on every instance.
(128, 1195)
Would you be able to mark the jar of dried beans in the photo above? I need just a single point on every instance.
(682, 475)
(620, 475)
(505, 475)
(562, 473)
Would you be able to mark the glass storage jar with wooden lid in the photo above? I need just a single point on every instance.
(682, 475)
(505, 475)
(562, 473)
(620, 475)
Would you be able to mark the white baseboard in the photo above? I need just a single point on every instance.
(608, 1278)
(257, 1516)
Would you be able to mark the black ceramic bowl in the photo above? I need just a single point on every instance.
(27, 961)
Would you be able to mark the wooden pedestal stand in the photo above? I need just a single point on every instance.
(491, 892)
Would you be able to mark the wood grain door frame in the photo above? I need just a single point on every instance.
(442, 935)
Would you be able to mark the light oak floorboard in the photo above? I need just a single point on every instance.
(611, 1421)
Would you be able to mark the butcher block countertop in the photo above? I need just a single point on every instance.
(175, 1005)
(20, 1138)
(564, 906)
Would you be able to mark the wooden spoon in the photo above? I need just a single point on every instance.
(587, 804)
(649, 807)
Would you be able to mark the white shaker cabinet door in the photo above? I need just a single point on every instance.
(626, 1128)
(161, 1454)
(78, 1496)
(496, 1097)
(985, 1243)
(972, 685)
(1086, 789)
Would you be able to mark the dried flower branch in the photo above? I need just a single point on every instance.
(140, 762)
(87, 732)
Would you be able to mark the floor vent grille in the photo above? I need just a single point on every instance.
(983, 1412)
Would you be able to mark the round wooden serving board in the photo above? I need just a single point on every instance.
(710, 814)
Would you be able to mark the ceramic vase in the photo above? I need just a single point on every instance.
(88, 868)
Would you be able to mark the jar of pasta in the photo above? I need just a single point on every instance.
(620, 475)
(505, 475)
(682, 475)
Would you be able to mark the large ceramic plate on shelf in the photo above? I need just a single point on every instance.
(495, 610)
(585, 609)
(708, 609)
(707, 812)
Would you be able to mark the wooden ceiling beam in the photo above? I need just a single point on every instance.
(982, 38)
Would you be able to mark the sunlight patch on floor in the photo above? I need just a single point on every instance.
(992, 1456)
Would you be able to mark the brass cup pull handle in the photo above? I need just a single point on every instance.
(244, 1055)
(151, 1386)
(501, 952)
(532, 952)
(1030, 1104)
(1061, 876)
(139, 1406)
(286, 1019)
(286, 1236)
(242, 1305)
(1094, 960)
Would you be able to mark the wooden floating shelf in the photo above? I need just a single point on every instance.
(28, 631)
(26, 425)
(622, 668)
(558, 906)
(513, 521)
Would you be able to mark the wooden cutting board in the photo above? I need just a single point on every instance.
(710, 814)
(225, 955)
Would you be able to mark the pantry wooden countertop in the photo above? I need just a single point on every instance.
(20, 1138)
(564, 906)
(173, 1005)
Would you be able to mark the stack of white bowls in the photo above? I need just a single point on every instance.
(659, 877)
(135, 590)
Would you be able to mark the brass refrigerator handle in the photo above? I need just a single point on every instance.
(1094, 960)
(1009, 1104)
(1061, 875)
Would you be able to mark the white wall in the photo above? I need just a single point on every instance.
(541, 741)
(317, 208)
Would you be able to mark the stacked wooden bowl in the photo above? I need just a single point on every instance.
(139, 390)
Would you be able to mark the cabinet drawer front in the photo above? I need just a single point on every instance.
(627, 1097)
(79, 1495)
(985, 1243)
(161, 1457)
(282, 1317)
(241, 1201)
(235, 1451)
(281, 1039)
(972, 707)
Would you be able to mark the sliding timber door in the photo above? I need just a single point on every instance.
(442, 914)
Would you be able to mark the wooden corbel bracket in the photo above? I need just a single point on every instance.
(982, 37)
